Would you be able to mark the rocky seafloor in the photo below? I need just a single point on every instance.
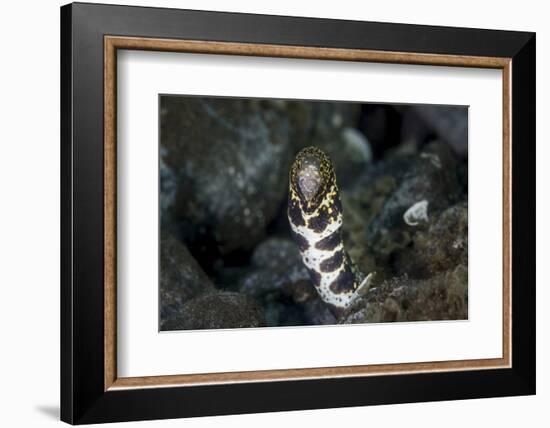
(226, 256)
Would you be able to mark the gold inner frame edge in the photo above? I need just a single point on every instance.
(113, 43)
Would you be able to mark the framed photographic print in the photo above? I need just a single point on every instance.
(265, 213)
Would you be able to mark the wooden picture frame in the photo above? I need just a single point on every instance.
(91, 391)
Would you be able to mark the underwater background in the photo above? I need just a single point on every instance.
(227, 259)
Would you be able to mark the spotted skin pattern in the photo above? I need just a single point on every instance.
(315, 216)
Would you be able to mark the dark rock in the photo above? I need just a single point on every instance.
(276, 253)
(280, 281)
(439, 248)
(430, 176)
(278, 268)
(229, 160)
(393, 201)
(398, 127)
(218, 310)
(317, 312)
(442, 297)
(450, 124)
(361, 205)
(167, 195)
(283, 313)
(415, 132)
(181, 278)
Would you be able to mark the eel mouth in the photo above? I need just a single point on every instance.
(309, 177)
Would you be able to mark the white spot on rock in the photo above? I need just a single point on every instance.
(357, 144)
(434, 159)
(337, 120)
(416, 213)
(458, 243)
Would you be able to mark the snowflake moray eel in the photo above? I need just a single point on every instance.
(315, 216)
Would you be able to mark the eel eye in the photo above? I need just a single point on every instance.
(309, 177)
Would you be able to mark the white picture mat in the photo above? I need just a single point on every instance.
(143, 351)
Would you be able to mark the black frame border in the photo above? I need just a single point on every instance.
(83, 399)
